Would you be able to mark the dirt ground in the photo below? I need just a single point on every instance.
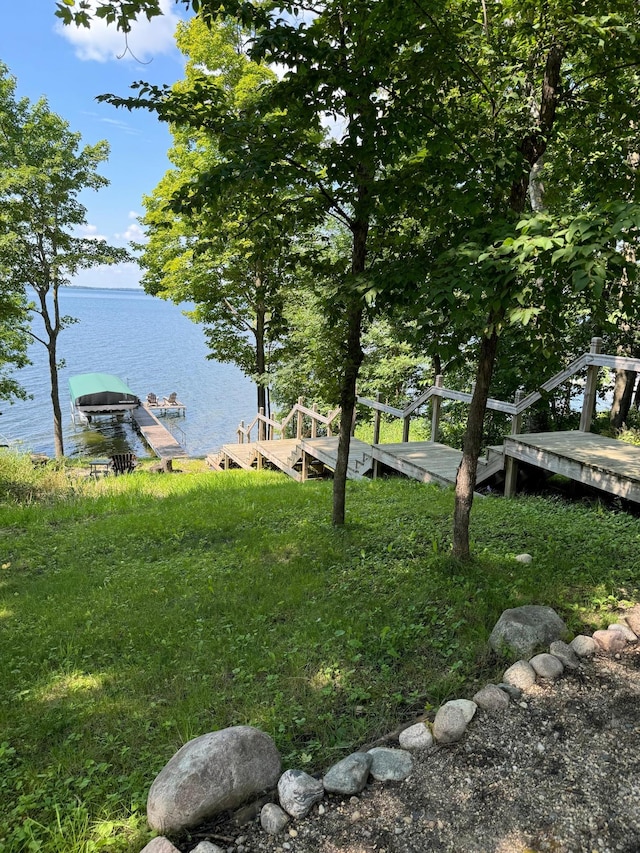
(558, 771)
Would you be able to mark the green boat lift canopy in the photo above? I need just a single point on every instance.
(101, 393)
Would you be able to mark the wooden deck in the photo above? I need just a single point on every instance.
(594, 460)
(156, 435)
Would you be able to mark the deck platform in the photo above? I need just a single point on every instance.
(594, 460)
(159, 439)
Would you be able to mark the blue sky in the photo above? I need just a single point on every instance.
(70, 67)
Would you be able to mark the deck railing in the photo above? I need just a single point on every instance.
(306, 420)
(593, 360)
(310, 420)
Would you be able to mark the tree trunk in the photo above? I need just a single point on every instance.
(353, 360)
(352, 364)
(622, 397)
(55, 399)
(260, 360)
(471, 446)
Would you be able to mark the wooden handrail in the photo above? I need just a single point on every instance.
(590, 360)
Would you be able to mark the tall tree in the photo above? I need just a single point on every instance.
(14, 324)
(341, 65)
(228, 252)
(43, 172)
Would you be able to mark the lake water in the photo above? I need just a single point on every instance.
(152, 347)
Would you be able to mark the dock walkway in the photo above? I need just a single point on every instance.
(158, 437)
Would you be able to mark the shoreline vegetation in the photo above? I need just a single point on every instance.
(138, 612)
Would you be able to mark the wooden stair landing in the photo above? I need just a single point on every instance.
(594, 460)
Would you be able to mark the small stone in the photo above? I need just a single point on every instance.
(273, 819)
(511, 690)
(491, 698)
(207, 847)
(416, 737)
(524, 558)
(293, 832)
(299, 792)
(348, 776)
(160, 844)
(625, 630)
(610, 641)
(450, 724)
(565, 653)
(583, 646)
(390, 765)
(321, 809)
(521, 674)
(355, 817)
(547, 666)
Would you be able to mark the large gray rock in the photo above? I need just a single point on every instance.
(522, 630)
(299, 792)
(547, 666)
(210, 774)
(349, 776)
(390, 765)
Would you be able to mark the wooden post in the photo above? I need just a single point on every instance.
(589, 401)
(241, 433)
(376, 434)
(261, 424)
(314, 422)
(305, 466)
(376, 421)
(436, 402)
(510, 464)
(300, 424)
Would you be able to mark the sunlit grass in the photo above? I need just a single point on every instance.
(141, 611)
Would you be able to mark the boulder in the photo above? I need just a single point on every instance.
(632, 618)
(210, 774)
(584, 646)
(610, 641)
(450, 723)
(417, 736)
(625, 630)
(299, 792)
(566, 654)
(349, 776)
(390, 765)
(492, 698)
(547, 666)
(520, 674)
(521, 630)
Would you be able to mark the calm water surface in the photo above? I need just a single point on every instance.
(151, 346)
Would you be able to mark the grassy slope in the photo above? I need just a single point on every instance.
(139, 612)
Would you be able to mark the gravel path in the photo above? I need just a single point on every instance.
(558, 771)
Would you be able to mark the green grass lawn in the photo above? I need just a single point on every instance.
(141, 611)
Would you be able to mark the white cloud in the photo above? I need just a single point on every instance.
(133, 233)
(90, 232)
(101, 42)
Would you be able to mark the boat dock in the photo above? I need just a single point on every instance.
(158, 437)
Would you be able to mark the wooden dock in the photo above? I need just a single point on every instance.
(593, 460)
(159, 439)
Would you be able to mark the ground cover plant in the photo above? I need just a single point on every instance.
(138, 612)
